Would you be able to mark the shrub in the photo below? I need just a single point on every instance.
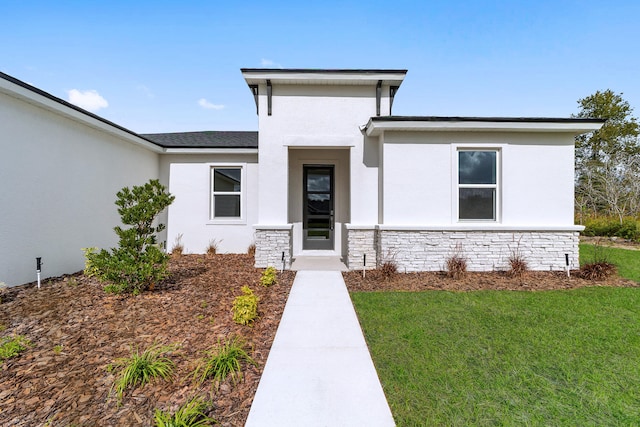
(137, 263)
(222, 361)
(212, 247)
(388, 269)
(251, 250)
(141, 368)
(608, 226)
(269, 276)
(245, 307)
(598, 267)
(456, 264)
(178, 247)
(517, 264)
(13, 346)
(191, 414)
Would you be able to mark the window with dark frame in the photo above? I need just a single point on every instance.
(477, 185)
(226, 199)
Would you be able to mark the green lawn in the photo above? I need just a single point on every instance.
(508, 358)
(628, 261)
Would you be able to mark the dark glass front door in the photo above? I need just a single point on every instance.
(318, 209)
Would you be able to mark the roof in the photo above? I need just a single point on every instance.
(63, 106)
(205, 139)
(254, 76)
(575, 126)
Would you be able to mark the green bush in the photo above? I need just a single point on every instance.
(609, 227)
(245, 307)
(137, 263)
(191, 414)
(269, 276)
(13, 346)
(223, 361)
(141, 368)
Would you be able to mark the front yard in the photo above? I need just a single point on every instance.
(490, 357)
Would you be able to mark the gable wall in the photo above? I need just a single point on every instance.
(58, 179)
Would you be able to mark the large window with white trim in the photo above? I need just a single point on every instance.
(478, 185)
(226, 193)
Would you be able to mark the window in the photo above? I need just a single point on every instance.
(226, 199)
(477, 185)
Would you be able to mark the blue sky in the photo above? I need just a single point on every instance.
(161, 66)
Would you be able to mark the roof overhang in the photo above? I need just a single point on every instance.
(39, 98)
(301, 76)
(204, 150)
(378, 125)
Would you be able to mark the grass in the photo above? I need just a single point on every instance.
(191, 414)
(223, 361)
(627, 261)
(507, 358)
(141, 368)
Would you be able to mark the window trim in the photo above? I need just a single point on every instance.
(497, 186)
(242, 219)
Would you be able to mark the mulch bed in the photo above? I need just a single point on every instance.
(77, 330)
(473, 281)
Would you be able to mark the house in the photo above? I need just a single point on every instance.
(331, 171)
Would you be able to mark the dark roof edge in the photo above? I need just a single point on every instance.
(484, 119)
(69, 105)
(323, 70)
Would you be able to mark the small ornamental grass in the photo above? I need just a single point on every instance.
(245, 307)
(456, 264)
(13, 346)
(212, 247)
(251, 250)
(141, 368)
(223, 361)
(191, 414)
(598, 267)
(388, 269)
(178, 246)
(269, 276)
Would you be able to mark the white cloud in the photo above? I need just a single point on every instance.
(269, 63)
(90, 100)
(208, 105)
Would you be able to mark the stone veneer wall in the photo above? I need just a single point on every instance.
(270, 244)
(360, 242)
(417, 250)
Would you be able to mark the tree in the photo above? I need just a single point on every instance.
(137, 263)
(608, 160)
(619, 133)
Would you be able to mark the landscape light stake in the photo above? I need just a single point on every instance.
(282, 261)
(38, 269)
(364, 265)
(566, 261)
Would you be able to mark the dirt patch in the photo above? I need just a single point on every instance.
(473, 281)
(77, 330)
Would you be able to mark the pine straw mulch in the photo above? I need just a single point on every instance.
(375, 280)
(76, 330)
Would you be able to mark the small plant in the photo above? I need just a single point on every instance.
(57, 349)
(203, 304)
(178, 247)
(388, 269)
(13, 346)
(72, 282)
(200, 317)
(517, 264)
(212, 247)
(456, 264)
(245, 307)
(141, 368)
(137, 263)
(599, 267)
(251, 250)
(222, 361)
(3, 327)
(269, 276)
(190, 414)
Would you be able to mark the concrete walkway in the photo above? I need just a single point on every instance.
(319, 371)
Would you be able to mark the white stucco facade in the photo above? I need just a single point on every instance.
(60, 171)
(330, 172)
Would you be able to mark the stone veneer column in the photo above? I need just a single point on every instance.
(486, 250)
(271, 243)
(361, 240)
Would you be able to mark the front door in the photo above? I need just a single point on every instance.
(318, 209)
